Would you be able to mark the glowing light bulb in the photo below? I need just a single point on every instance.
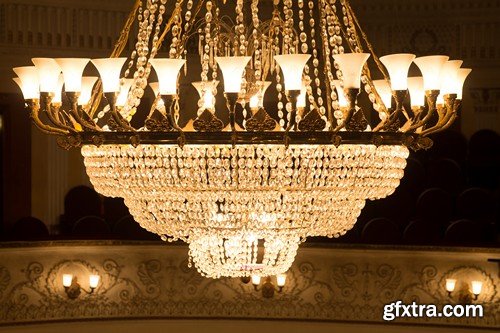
(292, 66)
(450, 285)
(476, 287)
(109, 70)
(94, 281)
(205, 91)
(351, 66)
(121, 100)
(28, 81)
(398, 65)
(431, 67)
(385, 92)
(72, 69)
(232, 70)
(343, 103)
(167, 71)
(257, 100)
(67, 279)
(417, 92)
(48, 73)
(87, 85)
(256, 280)
(281, 280)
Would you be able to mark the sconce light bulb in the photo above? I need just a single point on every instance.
(477, 286)
(450, 285)
(94, 281)
(281, 280)
(255, 280)
(67, 279)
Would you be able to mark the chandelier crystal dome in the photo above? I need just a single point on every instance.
(291, 154)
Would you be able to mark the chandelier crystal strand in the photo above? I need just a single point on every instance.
(244, 196)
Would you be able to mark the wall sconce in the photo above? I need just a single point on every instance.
(73, 288)
(268, 288)
(475, 289)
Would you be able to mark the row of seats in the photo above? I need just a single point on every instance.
(87, 227)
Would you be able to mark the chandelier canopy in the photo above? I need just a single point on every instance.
(294, 151)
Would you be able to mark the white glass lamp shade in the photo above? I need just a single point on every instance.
(72, 69)
(257, 100)
(351, 66)
(431, 67)
(109, 70)
(28, 81)
(340, 94)
(88, 83)
(417, 92)
(121, 100)
(256, 280)
(398, 65)
(292, 66)
(384, 91)
(462, 75)
(48, 73)
(232, 70)
(206, 92)
(450, 285)
(167, 71)
(67, 279)
(94, 281)
(155, 86)
(57, 99)
(281, 280)
(449, 76)
(476, 287)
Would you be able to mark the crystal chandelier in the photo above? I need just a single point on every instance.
(246, 181)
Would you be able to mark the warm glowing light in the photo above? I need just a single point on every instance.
(450, 285)
(281, 280)
(462, 75)
(72, 69)
(57, 99)
(302, 98)
(28, 81)
(343, 103)
(351, 66)
(206, 93)
(121, 100)
(67, 279)
(256, 280)
(476, 287)
(431, 67)
(88, 83)
(94, 281)
(417, 92)
(398, 65)
(257, 100)
(232, 70)
(292, 66)
(109, 70)
(449, 76)
(167, 71)
(48, 73)
(385, 92)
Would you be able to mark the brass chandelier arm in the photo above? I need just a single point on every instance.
(451, 106)
(431, 96)
(115, 114)
(399, 97)
(52, 112)
(33, 105)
